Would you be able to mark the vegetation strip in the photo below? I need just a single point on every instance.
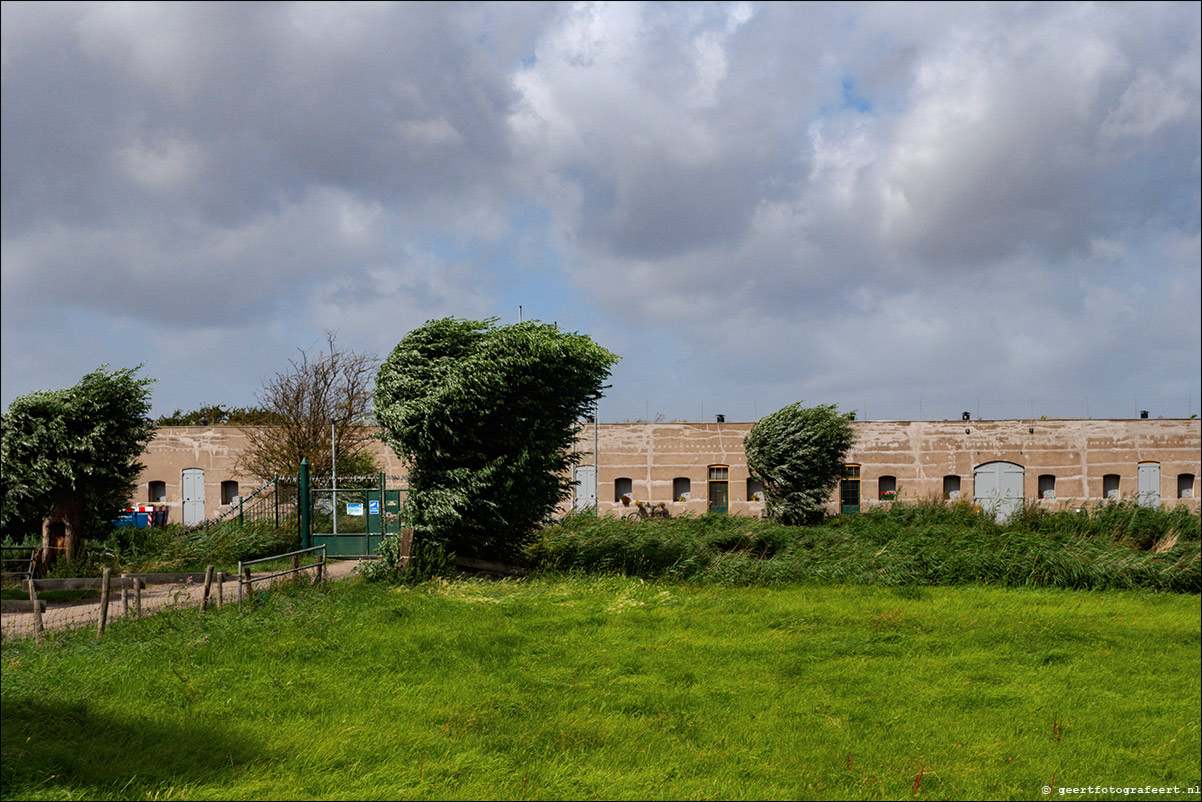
(1116, 545)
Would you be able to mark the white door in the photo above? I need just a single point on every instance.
(1149, 484)
(586, 487)
(194, 496)
(998, 487)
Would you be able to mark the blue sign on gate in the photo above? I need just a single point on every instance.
(373, 507)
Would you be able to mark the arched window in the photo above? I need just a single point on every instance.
(951, 487)
(1047, 485)
(681, 488)
(623, 487)
(1185, 485)
(156, 491)
(1110, 485)
(886, 488)
(229, 492)
(755, 490)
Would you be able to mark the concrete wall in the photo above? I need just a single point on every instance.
(918, 454)
(215, 450)
(1079, 453)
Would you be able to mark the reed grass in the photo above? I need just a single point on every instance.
(1114, 546)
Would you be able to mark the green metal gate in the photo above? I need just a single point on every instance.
(349, 521)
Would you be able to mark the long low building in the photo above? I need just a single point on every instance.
(700, 467)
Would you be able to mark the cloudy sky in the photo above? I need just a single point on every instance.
(909, 210)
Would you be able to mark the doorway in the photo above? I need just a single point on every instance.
(194, 496)
(719, 488)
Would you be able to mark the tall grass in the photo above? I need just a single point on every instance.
(176, 548)
(1111, 546)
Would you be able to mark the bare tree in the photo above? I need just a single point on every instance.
(332, 388)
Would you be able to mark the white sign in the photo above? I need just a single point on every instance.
(355, 508)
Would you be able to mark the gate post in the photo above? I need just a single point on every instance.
(383, 510)
(302, 492)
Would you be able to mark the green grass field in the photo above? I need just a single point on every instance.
(608, 687)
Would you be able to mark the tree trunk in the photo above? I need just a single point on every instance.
(62, 529)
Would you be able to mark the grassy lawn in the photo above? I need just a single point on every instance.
(606, 687)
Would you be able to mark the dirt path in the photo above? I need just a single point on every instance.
(154, 597)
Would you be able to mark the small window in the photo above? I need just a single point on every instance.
(951, 487)
(851, 472)
(1185, 485)
(156, 492)
(229, 492)
(681, 488)
(887, 488)
(623, 487)
(719, 473)
(1110, 485)
(1047, 485)
(755, 490)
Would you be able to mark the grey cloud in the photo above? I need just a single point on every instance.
(722, 207)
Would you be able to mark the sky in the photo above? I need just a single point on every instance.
(906, 210)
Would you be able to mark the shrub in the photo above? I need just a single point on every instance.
(797, 454)
(485, 417)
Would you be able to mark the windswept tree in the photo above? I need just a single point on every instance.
(299, 406)
(485, 417)
(797, 454)
(70, 457)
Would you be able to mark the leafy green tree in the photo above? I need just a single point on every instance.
(71, 455)
(797, 454)
(485, 417)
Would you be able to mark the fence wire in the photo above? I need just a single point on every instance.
(76, 609)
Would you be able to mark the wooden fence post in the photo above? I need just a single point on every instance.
(244, 579)
(124, 597)
(138, 598)
(37, 609)
(402, 563)
(220, 588)
(104, 601)
(204, 602)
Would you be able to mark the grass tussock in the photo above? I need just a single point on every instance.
(1119, 546)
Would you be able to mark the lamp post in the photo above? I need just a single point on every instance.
(334, 476)
(334, 468)
(596, 423)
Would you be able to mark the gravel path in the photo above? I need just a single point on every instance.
(65, 615)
